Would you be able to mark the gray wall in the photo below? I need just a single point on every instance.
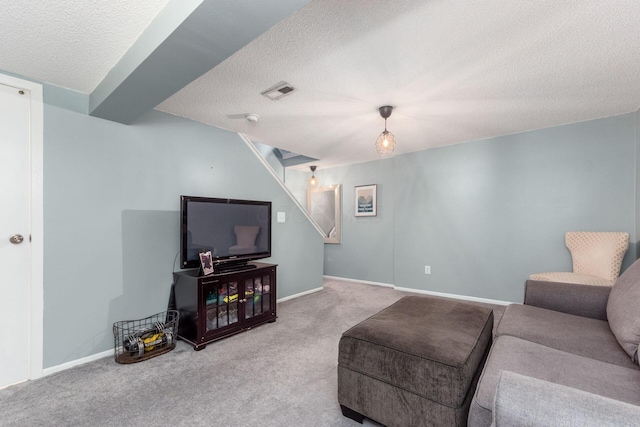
(297, 183)
(367, 248)
(486, 214)
(268, 153)
(111, 202)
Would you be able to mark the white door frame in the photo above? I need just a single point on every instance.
(36, 285)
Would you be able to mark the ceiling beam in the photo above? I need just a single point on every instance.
(187, 39)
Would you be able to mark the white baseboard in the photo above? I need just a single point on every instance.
(454, 296)
(364, 282)
(77, 362)
(299, 295)
(421, 291)
(109, 353)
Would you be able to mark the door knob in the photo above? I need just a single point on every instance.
(16, 239)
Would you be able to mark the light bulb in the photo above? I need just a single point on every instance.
(386, 142)
(313, 181)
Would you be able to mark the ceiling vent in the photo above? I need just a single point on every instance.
(278, 91)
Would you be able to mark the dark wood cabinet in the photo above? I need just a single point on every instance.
(219, 305)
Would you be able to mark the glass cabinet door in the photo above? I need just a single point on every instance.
(222, 305)
(257, 292)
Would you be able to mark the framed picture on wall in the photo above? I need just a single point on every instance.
(366, 200)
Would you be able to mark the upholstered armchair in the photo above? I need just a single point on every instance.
(596, 256)
(246, 239)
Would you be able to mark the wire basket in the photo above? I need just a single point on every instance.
(138, 340)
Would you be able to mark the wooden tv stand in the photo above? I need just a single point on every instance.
(219, 305)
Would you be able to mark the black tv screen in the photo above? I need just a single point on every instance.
(235, 231)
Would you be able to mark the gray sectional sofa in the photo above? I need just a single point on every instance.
(568, 356)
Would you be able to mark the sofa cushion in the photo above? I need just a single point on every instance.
(567, 277)
(570, 298)
(524, 401)
(574, 334)
(623, 310)
(555, 366)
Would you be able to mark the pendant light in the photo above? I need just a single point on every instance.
(386, 142)
(313, 181)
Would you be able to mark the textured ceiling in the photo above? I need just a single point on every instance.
(70, 43)
(455, 71)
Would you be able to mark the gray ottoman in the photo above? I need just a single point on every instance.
(415, 363)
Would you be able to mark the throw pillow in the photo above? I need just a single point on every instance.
(622, 310)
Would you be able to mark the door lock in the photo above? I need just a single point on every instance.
(16, 239)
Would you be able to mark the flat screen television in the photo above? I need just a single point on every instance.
(235, 231)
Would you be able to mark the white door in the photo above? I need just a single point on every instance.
(14, 235)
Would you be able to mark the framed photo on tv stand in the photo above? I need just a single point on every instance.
(206, 264)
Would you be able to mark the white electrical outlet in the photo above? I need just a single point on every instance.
(281, 217)
(427, 269)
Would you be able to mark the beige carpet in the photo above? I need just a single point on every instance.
(279, 374)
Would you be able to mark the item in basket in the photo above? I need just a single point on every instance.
(138, 340)
(151, 341)
(134, 346)
(147, 339)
